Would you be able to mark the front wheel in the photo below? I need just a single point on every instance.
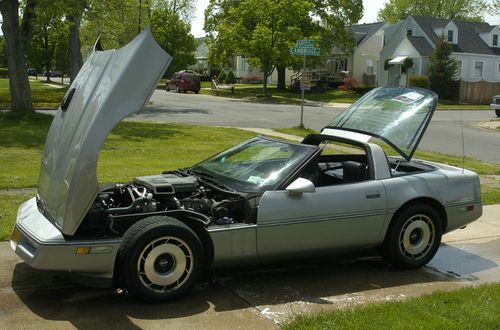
(413, 237)
(160, 258)
(497, 112)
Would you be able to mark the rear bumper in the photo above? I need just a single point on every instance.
(42, 246)
(462, 214)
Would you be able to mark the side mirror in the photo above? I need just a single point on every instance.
(300, 186)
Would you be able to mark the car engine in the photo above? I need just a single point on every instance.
(118, 206)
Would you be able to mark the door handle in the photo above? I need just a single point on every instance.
(372, 194)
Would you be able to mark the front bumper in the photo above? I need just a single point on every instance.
(495, 106)
(42, 246)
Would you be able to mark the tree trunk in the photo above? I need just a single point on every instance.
(264, 85)
(20, 92)
(281, 78)
(27, 24)
(75, 57)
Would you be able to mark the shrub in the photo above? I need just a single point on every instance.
(362, 89)
(252, 79)
(221, 77)
(418, 81)
(4, 73)
(230, 79)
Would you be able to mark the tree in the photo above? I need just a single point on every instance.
(442, 70)
(182, 8)
(264, 30)
(174, 36)
(397, 10)
(74, 10)
(20, 91)
(3, 55)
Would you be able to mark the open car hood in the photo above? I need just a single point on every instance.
(397, 115)
(110, 85)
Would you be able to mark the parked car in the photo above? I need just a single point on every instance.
(263, 200)
(32, 72)
(184, 81)
(56, 73)
(495, 104)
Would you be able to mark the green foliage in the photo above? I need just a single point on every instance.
(230, 78)
(174, 36)
(4, 72)
(418, 81)
(3, 55)
(386, 64)
(442, 70)
(221, 77)
(362, 89)
(264, 30)
(397, 10)
(407, 64)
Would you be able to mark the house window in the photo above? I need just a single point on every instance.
(369, 66)
(459, 69)
(450, 36)
(478, 70)
(409, 32)
(495, 40)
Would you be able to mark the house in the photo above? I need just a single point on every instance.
(201, 55)
(364, 62)
(475, 47)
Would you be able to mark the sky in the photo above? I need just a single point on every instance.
(371, 8)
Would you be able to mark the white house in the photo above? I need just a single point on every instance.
(475, 46)
(364, 62)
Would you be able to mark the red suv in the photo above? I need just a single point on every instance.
(184, 81)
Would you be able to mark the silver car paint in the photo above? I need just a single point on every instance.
(111, 85)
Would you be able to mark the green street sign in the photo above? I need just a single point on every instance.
(309, 51)
(305, 43)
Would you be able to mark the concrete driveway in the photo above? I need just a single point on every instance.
(249, 299)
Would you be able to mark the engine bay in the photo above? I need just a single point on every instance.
(178, 193)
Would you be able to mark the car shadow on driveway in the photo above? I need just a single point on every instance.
(330, 283)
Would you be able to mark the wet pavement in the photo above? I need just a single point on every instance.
(249, 299)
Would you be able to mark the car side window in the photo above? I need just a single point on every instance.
(337, 164)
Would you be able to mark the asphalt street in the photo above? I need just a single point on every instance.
(443, 134)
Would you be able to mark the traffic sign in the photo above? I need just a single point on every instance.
(305, 43)
(309, 51)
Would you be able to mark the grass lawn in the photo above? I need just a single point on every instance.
(145, 148)
(45, 95)
(253, 93)
(490, 194)
(469, 308)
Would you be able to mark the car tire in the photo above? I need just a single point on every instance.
(177, 89)
(197, 91)
(497, 112)
(413, 237)
(160, 258)
(167, 88)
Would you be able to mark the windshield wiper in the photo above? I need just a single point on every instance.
(209, 179)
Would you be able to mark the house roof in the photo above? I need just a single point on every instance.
(363, 32)
(469, 40)
(421, 45)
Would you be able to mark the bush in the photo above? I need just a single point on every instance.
(252, 79)
(418, 81)
(222, 77)
(4, 73)
(230, 79)
(362, 89)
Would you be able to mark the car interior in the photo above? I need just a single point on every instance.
(337, 163)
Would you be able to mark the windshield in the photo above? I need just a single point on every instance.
(397, 115)
(256, 165)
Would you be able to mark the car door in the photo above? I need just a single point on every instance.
(334, 217)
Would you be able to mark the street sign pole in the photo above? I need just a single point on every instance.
(302, 104)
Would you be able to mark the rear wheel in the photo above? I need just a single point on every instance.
(160, 258)
(197, 91)
(413, 237)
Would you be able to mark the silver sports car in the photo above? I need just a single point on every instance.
(263, 200)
